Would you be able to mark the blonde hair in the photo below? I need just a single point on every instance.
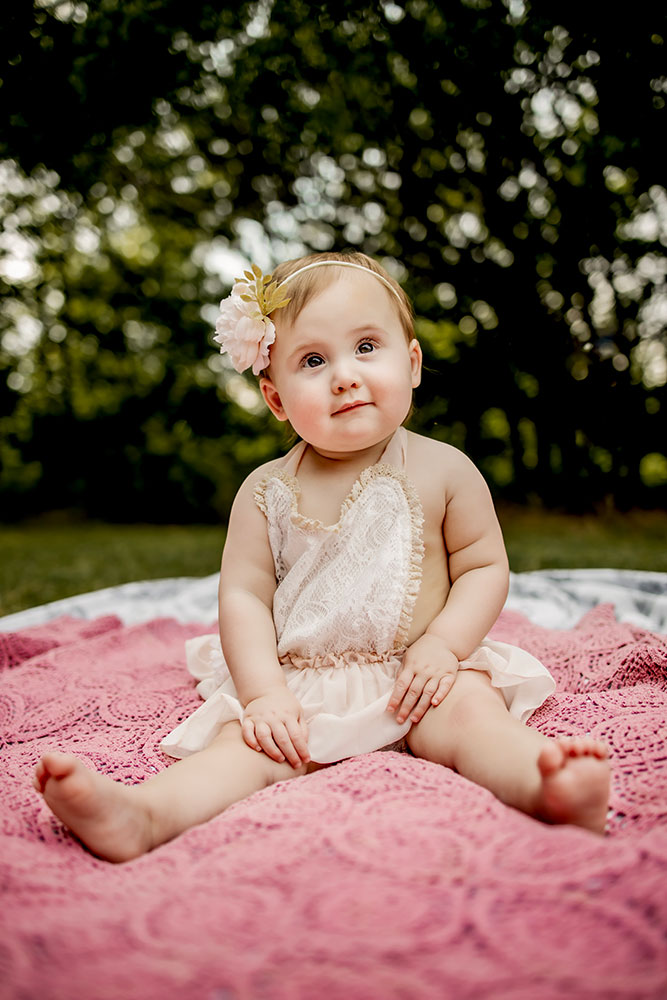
(303, 287)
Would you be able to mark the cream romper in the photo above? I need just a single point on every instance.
(342, 611)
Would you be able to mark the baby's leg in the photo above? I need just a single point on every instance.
(557, 780)
(118, 822)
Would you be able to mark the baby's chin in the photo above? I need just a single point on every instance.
(338, 447)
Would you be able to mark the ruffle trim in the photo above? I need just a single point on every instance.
(291, 482)
(382, 470)
(416, 549)
(349, 658)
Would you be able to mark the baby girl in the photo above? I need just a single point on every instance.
(360, 576)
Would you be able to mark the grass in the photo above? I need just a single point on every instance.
(537, 539)
(46, 560)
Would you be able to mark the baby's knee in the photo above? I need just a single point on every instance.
(469, 702)
(471, 697)
(266, 771)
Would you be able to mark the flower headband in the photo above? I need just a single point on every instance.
(243, 328)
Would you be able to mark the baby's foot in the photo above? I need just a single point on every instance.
(103, 814)
(575, 782)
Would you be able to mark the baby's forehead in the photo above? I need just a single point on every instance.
(341, 296)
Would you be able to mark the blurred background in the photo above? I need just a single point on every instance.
(504, 161)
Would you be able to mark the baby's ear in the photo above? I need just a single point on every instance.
(272, 398)
(415, 351)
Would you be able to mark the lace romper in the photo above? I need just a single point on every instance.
(342, 611)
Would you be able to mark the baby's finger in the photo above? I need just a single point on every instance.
(267, 742)
(283, 739)
(299, 740)
(401, 685)
(444, 687)
(424, 702)
(248, 733)
(410, 699)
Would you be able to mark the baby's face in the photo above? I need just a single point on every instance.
(343, 372)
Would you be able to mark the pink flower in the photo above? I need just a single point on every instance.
(243, 332)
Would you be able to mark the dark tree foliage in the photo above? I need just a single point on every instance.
(503, 161)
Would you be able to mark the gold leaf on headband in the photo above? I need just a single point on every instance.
(262, 290)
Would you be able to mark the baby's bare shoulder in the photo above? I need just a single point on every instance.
(437, 455)
(262, 472)
(246, 496)
(441, 472)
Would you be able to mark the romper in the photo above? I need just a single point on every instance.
(342, 611)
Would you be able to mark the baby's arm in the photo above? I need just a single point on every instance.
(478, 566)
(479, 575)
(273, 718)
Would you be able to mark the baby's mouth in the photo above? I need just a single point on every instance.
(350, 406)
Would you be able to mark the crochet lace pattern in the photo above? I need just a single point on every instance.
(383, 876)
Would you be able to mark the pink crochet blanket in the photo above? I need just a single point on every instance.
(381, 877)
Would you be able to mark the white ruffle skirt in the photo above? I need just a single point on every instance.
(345, 703)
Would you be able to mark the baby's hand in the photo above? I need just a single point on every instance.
(274, 723)
(429, 670)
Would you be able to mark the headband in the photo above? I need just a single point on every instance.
(340, 263)
(243, 328)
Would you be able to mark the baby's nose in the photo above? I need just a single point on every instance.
(344, 381)
(345, 376)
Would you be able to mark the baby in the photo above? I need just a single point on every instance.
(360, 576)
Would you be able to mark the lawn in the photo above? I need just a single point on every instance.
(45, 560)
(538, 539)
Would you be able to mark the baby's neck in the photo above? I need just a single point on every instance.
(339, 460)
(325, 479)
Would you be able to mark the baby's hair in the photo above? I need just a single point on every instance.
(304, 286)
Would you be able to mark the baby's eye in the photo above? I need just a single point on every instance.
(366, 347)
(312, 361)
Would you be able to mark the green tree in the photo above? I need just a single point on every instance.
(503, 161)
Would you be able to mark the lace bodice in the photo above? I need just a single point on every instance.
(345, 590)
(342, 611)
